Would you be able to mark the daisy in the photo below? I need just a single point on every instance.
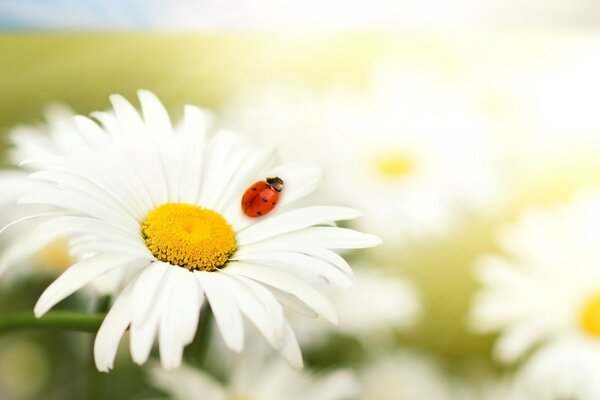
(543, 297)
(415, 158)
(26, 244)
(162, 207)
(404, 376)
(258, 379)
(495, 388)
(376, 305)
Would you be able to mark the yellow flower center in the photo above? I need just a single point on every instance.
(189, 236)
(54, 257)
(394, 164)
(590, 317)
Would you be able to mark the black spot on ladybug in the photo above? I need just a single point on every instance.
(254, 188)
(273, 203)
(264, 199)
(258, 213)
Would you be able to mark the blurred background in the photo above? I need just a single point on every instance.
(443, 121)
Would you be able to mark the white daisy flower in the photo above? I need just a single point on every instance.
(163, 208)
(259, 379)
(544, 296)
(26, 243)
(405, 376)
(494, 388)
(374, 307)
(411, 152)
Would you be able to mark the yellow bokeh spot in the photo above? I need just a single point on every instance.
(394, 165)
(54, 257)
(189, 236)
(590, 317)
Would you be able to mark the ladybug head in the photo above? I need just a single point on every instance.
(276, 183)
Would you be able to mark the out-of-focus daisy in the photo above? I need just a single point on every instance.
(409, 152)
(374, 307)
(163, 208)
(257, 378)
(25, 243)
(553, 140)
(405, 376)
(544, 295)
(494, 388)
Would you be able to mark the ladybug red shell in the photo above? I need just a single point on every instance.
(260, 198)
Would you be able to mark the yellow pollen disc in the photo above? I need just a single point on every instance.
(54, 257)
(189, 236)
(590, 317)
(394, 164)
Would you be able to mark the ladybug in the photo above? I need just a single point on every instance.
(260, 198)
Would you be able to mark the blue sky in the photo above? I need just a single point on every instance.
(291, 14)
(70, 14)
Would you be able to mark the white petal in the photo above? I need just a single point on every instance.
(259, 306)
(241, 173)
(292, 221)
(86, 204)
(90, 131)
(143, 332)
(192, 141)
(148, 163)
(107, 194)
(15, 184)
(31, 217)
(145, 289)
(91, 226)
(155, 116)
(300, 179)
(76, 277)
(179, 318)
(224, 308)
(303, 292)
(290, 349)
(291, 302)
(23, 247)
(128, 118)
(301, 265)
(308, 249)
(218, 153)
(158, 124)
(112, 330)
(327, 237)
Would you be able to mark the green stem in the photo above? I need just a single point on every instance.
(56, 320)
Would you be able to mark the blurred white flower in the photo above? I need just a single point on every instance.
(494, 388)
(376, 305)
(257, 378)
(544, 296)
(544, 106)
(411, 152)
(405, 376)
(20, 245)
(163, 207)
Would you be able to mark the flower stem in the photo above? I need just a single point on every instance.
(56, 320)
